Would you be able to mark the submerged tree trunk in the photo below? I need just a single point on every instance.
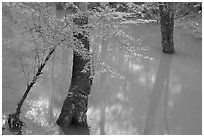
(75, 105)
(167, 26)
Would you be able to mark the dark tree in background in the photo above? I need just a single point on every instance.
(167, 26)
(75, 105)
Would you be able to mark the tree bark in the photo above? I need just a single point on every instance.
(167, 26)
(75, 105)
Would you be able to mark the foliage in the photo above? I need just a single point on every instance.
(189, 18)
(38, 27)
(34, 28)
(37, 31)
(30, 30)
(187, 8)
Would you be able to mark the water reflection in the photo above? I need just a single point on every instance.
(159, 96)
(102, 118)
(160, 87)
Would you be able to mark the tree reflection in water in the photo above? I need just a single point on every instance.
(75, 130)
(161, 85)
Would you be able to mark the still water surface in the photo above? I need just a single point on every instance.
(161, 94)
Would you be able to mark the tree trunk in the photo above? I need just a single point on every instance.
(75, 105)
(167, 26)
(14, 122)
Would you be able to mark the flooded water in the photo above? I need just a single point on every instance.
(160, 94)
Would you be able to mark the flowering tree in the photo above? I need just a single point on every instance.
(40, 31)
(40, 28)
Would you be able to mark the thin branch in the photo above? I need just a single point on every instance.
(39, 72)
(22, 67)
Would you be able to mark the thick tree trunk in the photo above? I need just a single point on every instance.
(75, 105)
(167, 26)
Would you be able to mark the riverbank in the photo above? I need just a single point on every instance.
(191, 24)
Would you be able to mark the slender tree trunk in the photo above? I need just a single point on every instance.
(75, 105)
(167, 26)
(14, 122)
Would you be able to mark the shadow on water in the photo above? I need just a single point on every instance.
(161, 85)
